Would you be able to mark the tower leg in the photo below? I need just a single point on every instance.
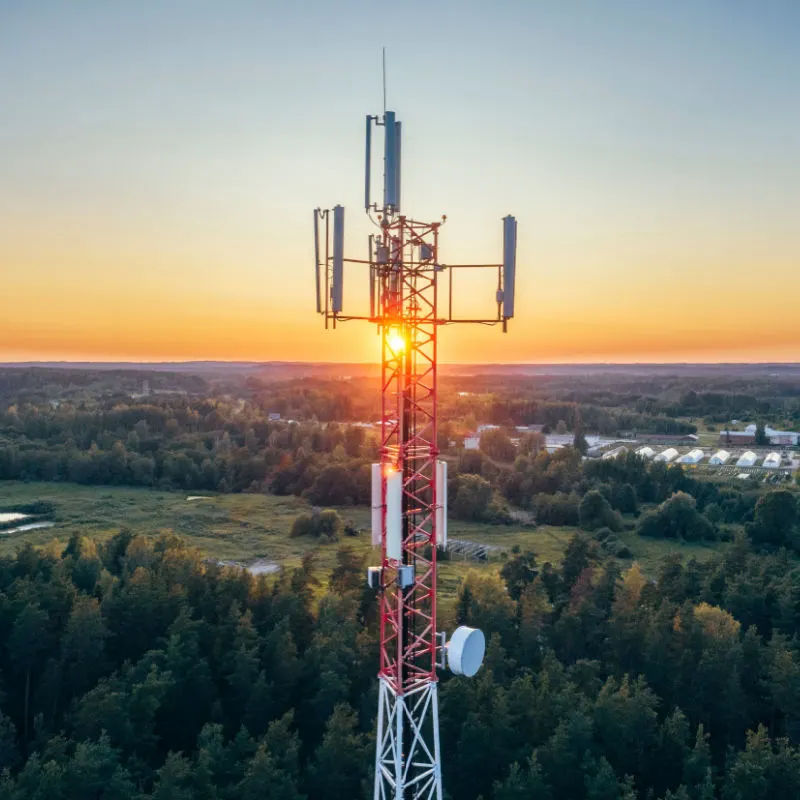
(403, 772)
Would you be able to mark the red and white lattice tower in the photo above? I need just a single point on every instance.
(409, 490)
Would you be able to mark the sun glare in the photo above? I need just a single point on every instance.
(395, 341)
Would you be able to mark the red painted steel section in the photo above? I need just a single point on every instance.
(408, 299)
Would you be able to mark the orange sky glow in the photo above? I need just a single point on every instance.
(157, 180)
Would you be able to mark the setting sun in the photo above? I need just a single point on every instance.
(395, 341)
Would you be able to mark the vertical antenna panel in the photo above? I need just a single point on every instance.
(394, 516)
(368, 164)
(398, 149)
(509, 264)
(338, 259)
(316, 260)
(390, 161)
(371, 275)
(376, 504)
(441, 504)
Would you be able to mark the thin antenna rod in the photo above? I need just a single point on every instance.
(384, 80)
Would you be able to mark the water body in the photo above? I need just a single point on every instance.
(31, 526)
(12, 516)
(260, 567)
(263, 568)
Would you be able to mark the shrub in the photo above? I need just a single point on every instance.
(325, 524)
(595, 512)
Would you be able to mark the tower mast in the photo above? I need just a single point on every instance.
(409, 489)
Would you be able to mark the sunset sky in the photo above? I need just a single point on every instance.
(160, 160)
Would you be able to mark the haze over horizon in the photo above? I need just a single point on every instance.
(159, 163)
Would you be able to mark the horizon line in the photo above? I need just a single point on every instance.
(235, 362)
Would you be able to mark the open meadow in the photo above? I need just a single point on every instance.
(254, 528)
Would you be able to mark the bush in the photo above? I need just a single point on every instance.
(556, 509)
(595, 512)
(325, 524)
(677, 518)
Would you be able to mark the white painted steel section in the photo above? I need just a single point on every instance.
(408, 769)
(394, 516)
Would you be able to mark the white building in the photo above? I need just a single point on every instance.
(472, 442)
(617, 451)
(645, 452)
(692, 457)
(772, 461)
(776, 437)
(747, 459)
(720, 457)
(667, 455)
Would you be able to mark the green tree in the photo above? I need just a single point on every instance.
(579, 441)
(577, 557)
(470, 498)
(496, 444)
(83, 646)
(338, 768)
(775, 518)
(28, 645)
(596, 512)
(518, 572)
(523, 784)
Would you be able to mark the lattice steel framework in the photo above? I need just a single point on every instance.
(407, 753)
(405, 272)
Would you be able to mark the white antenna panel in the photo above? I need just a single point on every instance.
(377, 505)
(441, 504)
(338, 259)
(316, 261)
(394, 516)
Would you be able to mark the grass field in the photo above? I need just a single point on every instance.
(249, 527)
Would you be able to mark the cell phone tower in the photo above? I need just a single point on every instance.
(410, 298)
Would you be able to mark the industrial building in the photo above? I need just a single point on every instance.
(772, 461)
(776, 437)
(671, 438)
(645, 452)
(747, 459)
(737, 437)
(720, 457)
(692, 457)
(667, 455)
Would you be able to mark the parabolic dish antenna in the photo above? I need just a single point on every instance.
(465, 651)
